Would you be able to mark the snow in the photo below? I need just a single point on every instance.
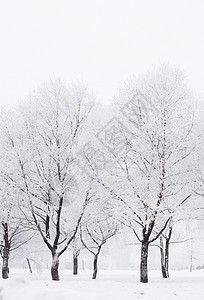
(109, 285)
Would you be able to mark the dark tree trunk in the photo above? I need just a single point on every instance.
(143, 262)
(163, 265)
(5, 268)
(55, 267)
(167, 258)
(5, 252)
(95, 266)
(75, 263)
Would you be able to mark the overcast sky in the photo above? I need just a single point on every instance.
(101, 42)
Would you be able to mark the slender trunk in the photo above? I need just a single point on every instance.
(55, 266)
(5, 252)
(167, 258)
(143, 262)
(163, 259)
(95, 266)
(191, 263)
(75, 263)
(29, 265)
(167, 251)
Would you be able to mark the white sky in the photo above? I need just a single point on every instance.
(101, 42)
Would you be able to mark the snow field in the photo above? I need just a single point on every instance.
(110, 285)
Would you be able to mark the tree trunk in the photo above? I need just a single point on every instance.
(191, 263)
(55, 267)
(163, 259)
(95, 266)
(75, 263)
(167, 258)
(143, 262)
(29, 265)
(5, 268)
(167, 252)
(5, 252)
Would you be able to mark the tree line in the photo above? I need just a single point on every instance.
(77, 179)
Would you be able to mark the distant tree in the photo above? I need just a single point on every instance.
(76, 246)
(96, 229)
(14, 232)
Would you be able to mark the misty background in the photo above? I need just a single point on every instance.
(100, 42)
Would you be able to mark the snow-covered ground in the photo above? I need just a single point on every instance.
(109, 285)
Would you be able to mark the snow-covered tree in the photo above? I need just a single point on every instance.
(153, 151)
(42, 144)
